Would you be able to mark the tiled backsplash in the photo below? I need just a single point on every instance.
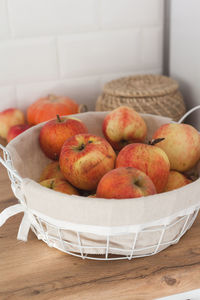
(72, 47)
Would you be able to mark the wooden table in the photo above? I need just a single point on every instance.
(32, 270)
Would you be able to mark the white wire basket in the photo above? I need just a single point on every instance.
(98, 242)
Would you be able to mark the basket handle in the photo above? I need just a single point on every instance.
(17, 208)
(9, 212)
(188, 113)
(82, 108)
(25, 223)
(7, 163)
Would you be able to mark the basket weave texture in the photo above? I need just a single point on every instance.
(153, 94)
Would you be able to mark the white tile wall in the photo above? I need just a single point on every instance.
(99, 53)
(184, 63)
(129, 13)
(27, 60)
(152, 50)
(83, 90)
(7, 97)
(4, 25)
(72, 46)
(39, 17)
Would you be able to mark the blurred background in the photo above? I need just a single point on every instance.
(73, 47)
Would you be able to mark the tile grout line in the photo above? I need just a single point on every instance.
(10, 26)
(109, 30)
(96, 76)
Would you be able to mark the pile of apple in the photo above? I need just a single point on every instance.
(13, 120)
(121, 165)
(12, 123)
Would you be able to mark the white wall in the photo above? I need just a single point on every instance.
(73, 47)
(184, 56)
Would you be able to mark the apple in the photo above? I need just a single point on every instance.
(175, 181)
(60, 186)
(52, 170)
(92, 196)
(181, 144)
(55, 132)
(147, 158)
(16, 130)
(124, 126)
(9, 118)
(84, 159)
(125, 183)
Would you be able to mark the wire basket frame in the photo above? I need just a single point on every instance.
(79, 249)
(71, 238)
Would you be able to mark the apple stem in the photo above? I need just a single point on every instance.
(156, 141)
(51, 97)
(58, 118)
(52, 185)
(81, 147)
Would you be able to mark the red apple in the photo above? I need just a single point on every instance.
(125, 183)
(55, 132)
(147, 158)
(60, 186)
(181, 144)
(175, 181)
(16, 130)
(9, 118)
(84, 159)
(52, 170)
(124, 126)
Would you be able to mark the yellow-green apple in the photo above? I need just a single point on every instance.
(55, 132)
(125, 183)
(60, 186)
(16, 130)
(9, 118)
(52, 170)
(149, 159)
(84, 159)
(123, 126)
(175, 181)
(181, 144)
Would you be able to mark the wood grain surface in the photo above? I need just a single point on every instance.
(32, 270)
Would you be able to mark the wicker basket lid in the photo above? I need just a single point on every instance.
(141, 86)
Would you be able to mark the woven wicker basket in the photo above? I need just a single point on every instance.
(153, 94)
